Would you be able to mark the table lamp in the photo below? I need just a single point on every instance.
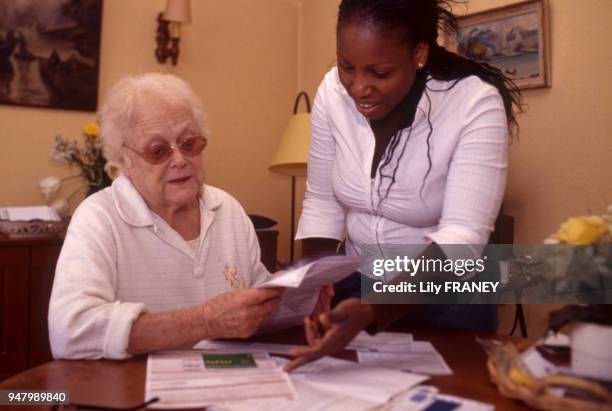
(292, 154)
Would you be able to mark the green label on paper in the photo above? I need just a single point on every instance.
(229, 361)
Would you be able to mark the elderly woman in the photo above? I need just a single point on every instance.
(158, 260)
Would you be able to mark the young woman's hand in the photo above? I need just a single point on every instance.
(323, 303)
(332, 332)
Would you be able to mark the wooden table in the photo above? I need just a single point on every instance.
(121, 383)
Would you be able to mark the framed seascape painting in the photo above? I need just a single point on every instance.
(512, 38)
(50, 53)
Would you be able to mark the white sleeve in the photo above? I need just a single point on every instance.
(477, 172)
(322, 213)
(85, 319)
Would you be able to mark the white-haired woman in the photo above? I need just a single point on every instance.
(158, 260)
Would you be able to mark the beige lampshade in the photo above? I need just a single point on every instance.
(292, 154)
(178, 11)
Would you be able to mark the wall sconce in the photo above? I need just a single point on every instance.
(169, 29)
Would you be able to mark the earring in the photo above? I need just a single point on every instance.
(420, 65)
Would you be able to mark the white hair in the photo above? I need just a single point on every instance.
(129, 99)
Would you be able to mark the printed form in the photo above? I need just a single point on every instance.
(422, 358)
(195, 379)
(399, 351)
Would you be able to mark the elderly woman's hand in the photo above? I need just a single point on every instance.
(239, 313)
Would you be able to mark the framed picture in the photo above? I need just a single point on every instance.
(50, 53)
(512, 38)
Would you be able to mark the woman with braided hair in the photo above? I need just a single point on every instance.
(408, 146)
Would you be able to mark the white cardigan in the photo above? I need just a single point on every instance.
(120, 259)
(462, 193)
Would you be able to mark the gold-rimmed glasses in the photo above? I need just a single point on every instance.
(160, 151)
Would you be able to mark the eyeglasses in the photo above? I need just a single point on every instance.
(160, 151)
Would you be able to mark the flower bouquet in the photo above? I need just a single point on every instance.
(88, 158)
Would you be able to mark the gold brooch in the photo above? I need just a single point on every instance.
(231, 276)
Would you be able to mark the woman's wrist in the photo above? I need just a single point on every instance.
(364, 314)
(206, 322)
(367, 314)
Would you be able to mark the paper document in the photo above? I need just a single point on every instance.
(303, 284)
(331, 384)
(309, 398)
(427, 398)
(195, 379)
(422, 359)
(294, 306)
(29, 213)
(368, 383)
(327, 270)
(239, 346)
(384, 342)
(399, 351)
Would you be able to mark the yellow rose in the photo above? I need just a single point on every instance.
(581, 230)
(91, 130)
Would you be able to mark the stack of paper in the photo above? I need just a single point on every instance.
(399, 351)
(255, 382)
(29, 213)
(335, 385)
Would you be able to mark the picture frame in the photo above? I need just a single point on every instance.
(50, 53)
(513, 38)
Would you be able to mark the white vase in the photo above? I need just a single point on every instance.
(592, 350)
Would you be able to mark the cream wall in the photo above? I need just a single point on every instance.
(239, 56)
(562, 164)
